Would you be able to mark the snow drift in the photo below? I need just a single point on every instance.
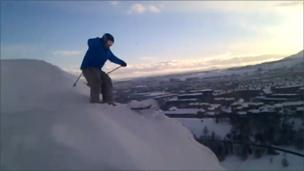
(48, 124)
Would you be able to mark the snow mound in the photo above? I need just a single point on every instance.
(48, 124)
(149, 103)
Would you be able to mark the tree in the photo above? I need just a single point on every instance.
(205, 131)
(258, 153)
(212, 136)
(216, 120)
(299, 140)
(271, 159)
(244, 152)
(284, 162)
(271, 151)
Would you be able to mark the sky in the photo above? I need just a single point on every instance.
(153, 37)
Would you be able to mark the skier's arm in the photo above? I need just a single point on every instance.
(116, 60)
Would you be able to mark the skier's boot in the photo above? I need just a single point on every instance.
(96, 101)
(110, 103)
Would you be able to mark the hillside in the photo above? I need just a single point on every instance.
(289, 62)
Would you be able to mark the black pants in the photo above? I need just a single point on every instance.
(99, 82)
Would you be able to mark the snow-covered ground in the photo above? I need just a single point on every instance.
(48, 124)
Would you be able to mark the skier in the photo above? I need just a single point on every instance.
(96, 56)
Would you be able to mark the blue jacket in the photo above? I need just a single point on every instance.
(98, 54)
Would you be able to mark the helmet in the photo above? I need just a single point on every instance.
(108, 36)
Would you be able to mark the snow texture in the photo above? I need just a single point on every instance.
(48, 124)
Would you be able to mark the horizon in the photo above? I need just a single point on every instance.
(154, 37)
(173, 73)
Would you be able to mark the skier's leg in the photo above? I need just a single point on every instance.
(92, 75)
(107, 88)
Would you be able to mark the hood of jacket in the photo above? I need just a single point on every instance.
(96, 42)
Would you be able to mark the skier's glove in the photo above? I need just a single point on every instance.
(124, 64)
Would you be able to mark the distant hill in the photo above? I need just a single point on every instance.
(296, 60)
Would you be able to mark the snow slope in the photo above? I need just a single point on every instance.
(48, 124)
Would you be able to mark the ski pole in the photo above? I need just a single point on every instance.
(74, 85)
(114, 69)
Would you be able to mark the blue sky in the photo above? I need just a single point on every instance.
(153, 37)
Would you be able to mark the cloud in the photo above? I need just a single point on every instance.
(174, 66)
(68, 53)
(227, 6)
(242, 60)
(293, 3)
(183, 65)
(153, 9)
(139, 8)
(114, 3)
